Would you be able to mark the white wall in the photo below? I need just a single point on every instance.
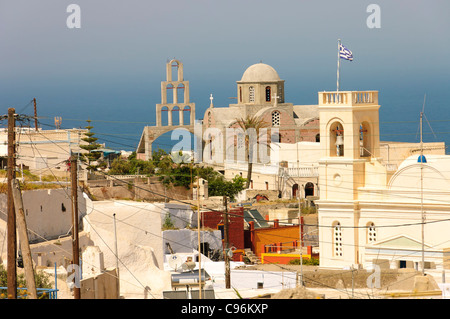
(308, 154)
(185, 240)
(181, 215)
(44, 212)
(139, 241)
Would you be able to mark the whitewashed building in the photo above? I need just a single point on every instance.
(368, 214)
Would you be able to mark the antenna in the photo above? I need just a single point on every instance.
(422, 114)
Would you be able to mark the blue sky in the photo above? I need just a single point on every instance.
(110, 69)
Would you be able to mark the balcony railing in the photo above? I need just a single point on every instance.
(302, 171)
(42, 293)
(348, 98)
(310, 171)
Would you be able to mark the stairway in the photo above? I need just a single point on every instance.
(251, 256)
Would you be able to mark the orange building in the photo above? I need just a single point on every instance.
(274, 239)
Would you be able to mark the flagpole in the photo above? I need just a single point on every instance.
(338, 63)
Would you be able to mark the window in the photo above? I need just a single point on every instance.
(222, 230)
(337, 240)
(309, 189)
(268, 96)
(371, 233)
(276, 118)
(294, 190)
(251, 94)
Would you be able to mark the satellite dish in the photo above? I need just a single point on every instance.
(174, 262)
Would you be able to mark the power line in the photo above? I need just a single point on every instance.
(168, 197)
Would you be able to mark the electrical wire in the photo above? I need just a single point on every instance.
(183, 202)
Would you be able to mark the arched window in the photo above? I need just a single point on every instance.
(240, 94)
(336, 139)
(337, 240)
(251, 94)
(276, 118)
(309, 189)
(295, 191)
(164, 116)
(187, 115)
(180, 93)
(175, 115)
(169, 93)
(371, 233)
(175, 70)
(317, 138)
(268, 94)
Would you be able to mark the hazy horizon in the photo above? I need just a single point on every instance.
(110, 69)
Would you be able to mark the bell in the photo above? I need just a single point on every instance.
(339, 140)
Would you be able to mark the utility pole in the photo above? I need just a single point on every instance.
(35, 115)
(11, 223)
(117, 255)
(300, 234)
(75, 244)
(24, 243)
(299, 192)
(227, 245)
(199, 241)
(421, 196)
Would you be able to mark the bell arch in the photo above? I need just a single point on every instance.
(365, 139)
(336, 138)
(176, 118)
(172, 113)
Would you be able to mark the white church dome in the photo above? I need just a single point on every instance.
(260, 72)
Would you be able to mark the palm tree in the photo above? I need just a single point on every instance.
(249, 124)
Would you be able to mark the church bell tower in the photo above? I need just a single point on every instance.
(349, 130)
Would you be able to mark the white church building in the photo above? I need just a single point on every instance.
(368, 215)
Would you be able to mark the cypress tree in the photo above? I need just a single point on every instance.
(91, 147)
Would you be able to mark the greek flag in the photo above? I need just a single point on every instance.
(345, 53)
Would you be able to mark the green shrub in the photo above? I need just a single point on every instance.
(41, 279)
(306, 261)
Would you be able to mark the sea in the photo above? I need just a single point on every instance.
(118, 121)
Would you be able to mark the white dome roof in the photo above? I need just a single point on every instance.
(260, 72)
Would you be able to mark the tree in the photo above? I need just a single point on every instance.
(42, 281)
(131, 166)
(91, 147)
(222, 187)
(251, 125)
